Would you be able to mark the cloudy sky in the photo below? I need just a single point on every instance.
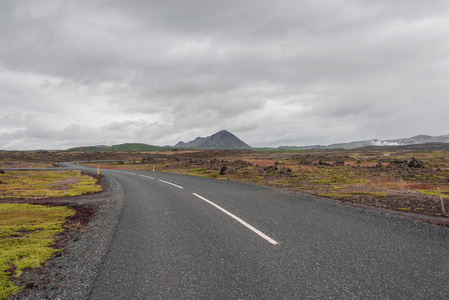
(274, 73)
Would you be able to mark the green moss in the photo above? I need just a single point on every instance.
(434, 177)
(285, 182)
(199, 170)
(375, 194)
(341, 180)
(352, 194)
(404, 208)
(26, 236)
(44, 184)
(432, 193)
(335, 195)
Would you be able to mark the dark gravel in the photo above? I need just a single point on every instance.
(71, 273)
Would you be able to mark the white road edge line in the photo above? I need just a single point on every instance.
(171, 183)
(129, 173)
(260, 233)
(146, 176)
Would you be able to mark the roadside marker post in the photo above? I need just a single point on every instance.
(153, 168)
(98, 170)
(443, 210)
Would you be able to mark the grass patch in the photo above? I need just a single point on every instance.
(341, 180)
(352, 194)
(44, 184)
(26, 237)
(204, 172)
(404, 208)
(333, 176)
(335, 195)
(214, 176)
(375, 194)
(432, 193)
(200, 170)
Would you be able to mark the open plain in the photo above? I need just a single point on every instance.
(415, 181)
(399, 180)
(410, 183)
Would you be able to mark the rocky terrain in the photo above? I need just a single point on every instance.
(405, 181)
(413, 181)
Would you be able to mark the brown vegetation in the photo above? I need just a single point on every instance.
(402, 180)
(398, 180)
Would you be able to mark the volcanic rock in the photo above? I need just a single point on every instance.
(414, 163)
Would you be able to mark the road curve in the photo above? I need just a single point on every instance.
(171, 243)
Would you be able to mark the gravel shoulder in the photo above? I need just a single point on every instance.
(71, 273)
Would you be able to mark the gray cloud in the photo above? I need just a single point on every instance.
(284, 73)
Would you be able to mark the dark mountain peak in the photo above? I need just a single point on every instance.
(220, 140)
(223, 132)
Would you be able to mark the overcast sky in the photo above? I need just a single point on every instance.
(274, 73)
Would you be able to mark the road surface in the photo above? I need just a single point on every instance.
(183, 237)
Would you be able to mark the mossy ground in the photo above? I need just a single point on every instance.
(27, 231)
(26, 237)
(44, 184)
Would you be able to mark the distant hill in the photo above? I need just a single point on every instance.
(417, 147)
(422, 139)
(121, 147)
(226, 140)
(134, 147)
(88, 148)
(415, 140)
(220, 140)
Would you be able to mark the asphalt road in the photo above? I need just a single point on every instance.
(183, 237)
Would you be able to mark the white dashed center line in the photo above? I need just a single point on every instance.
(180, 187)
(260, 233)
(252, 228)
